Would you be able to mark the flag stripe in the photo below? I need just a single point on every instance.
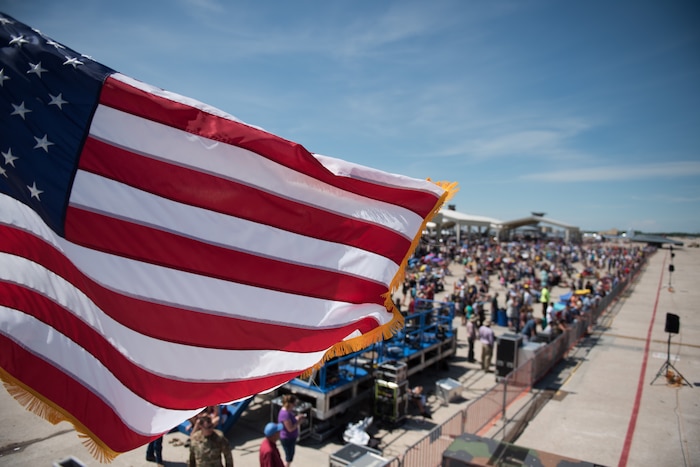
(226, 232)
(175, 324)
(119, 92)
(194, 391)
(104, 389)
(103, 233)
(177, 289)
(226, 196)
(151, 139)
(77, 399)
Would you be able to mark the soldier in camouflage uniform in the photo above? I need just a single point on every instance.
(207, 446)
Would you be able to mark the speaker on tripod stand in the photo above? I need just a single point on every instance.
(671, 268)
(673, 326)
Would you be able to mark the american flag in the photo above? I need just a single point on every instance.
(158, 255)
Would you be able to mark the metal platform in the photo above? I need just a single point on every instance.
(344, 382)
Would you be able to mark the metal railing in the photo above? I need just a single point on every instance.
(428, 451)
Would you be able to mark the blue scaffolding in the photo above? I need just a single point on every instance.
(427, 338)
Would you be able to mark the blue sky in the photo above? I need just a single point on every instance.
(588, 111)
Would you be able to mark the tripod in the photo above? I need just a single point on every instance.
(671, 268)
(664, 368)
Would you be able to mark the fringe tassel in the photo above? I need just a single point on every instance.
(396, 323)
(42, 407)
(96, 448)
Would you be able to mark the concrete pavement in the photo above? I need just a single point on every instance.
(607, 410)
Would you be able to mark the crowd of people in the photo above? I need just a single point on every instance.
(209, 447)
(511, 283)
(514, 283)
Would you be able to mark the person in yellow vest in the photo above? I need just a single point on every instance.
(544, 299)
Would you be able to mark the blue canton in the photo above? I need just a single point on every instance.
(48, 94)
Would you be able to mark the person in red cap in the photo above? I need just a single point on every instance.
(269, 454)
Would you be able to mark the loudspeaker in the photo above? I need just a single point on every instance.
(507, 353)
(673, 323)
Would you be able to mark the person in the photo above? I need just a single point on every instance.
(214, 412)
(418, 397)
(557, 326)
(269, 454)
(290, 434)
(494, 307)
(529, 331)
(471, 338)
(527, 296)
(511, 311)
(470, 312)
(154, 451)
(486, 338)
(208, 446)
(548, 317)
(544, 299)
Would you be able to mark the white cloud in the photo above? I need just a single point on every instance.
(619, 172)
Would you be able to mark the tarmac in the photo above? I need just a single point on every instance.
(608, 402)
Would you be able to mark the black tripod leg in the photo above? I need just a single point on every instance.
(662, 371)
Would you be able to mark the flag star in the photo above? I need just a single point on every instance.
(58, 100)
(3, 78)
(35, 192)
(55, 44)
(36, 69)
(9, 158)
(20, 110)
(5, 21)
(3, 172)
(43, 143)
(19, 40)
(72, 61)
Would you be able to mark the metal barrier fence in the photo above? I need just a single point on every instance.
(549, 355)
(428, 451)
(490, 407)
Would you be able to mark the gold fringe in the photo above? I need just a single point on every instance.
(49, 411)
(396, 324)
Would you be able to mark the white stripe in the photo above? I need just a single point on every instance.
(96, 193)
(337, 166)
(190, 291)
(183, 289)
(165, 143)
(343, 168)
(175, 361)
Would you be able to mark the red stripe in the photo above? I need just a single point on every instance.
(70, 395)
(242, 201)
(624, 456)
(161, 391)
(123, 97)
(167, 249)
(178, 325)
